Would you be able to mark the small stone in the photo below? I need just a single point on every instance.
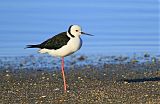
(125, 82)
(43, 96)
(7, 75)
(56, 89)
(7, 71)
(146, 95)
(53, 75)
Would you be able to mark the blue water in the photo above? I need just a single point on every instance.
(119, 26)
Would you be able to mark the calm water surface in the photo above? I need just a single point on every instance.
(119, 26)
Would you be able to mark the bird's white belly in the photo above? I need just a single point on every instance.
(72, 46)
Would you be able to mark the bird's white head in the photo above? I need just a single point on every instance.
(76, 31)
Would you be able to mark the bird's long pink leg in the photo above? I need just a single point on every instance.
(63, 75)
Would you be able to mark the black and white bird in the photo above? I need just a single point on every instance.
(62, 44)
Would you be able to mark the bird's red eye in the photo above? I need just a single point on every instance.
(76, 30)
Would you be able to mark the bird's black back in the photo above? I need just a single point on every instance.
(55, 42)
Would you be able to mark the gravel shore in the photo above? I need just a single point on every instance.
(128, 83)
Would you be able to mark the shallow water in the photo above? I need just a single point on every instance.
(46, 62)
(119, 26)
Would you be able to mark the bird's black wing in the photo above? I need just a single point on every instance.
(55, 42)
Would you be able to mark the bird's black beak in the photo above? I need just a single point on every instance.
(86, 34)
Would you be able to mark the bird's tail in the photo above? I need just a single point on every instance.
(32, 46)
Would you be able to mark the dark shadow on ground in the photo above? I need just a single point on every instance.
(141, 79)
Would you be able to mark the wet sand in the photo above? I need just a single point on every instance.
(128, 83)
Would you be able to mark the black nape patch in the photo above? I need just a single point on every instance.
(69, 31)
